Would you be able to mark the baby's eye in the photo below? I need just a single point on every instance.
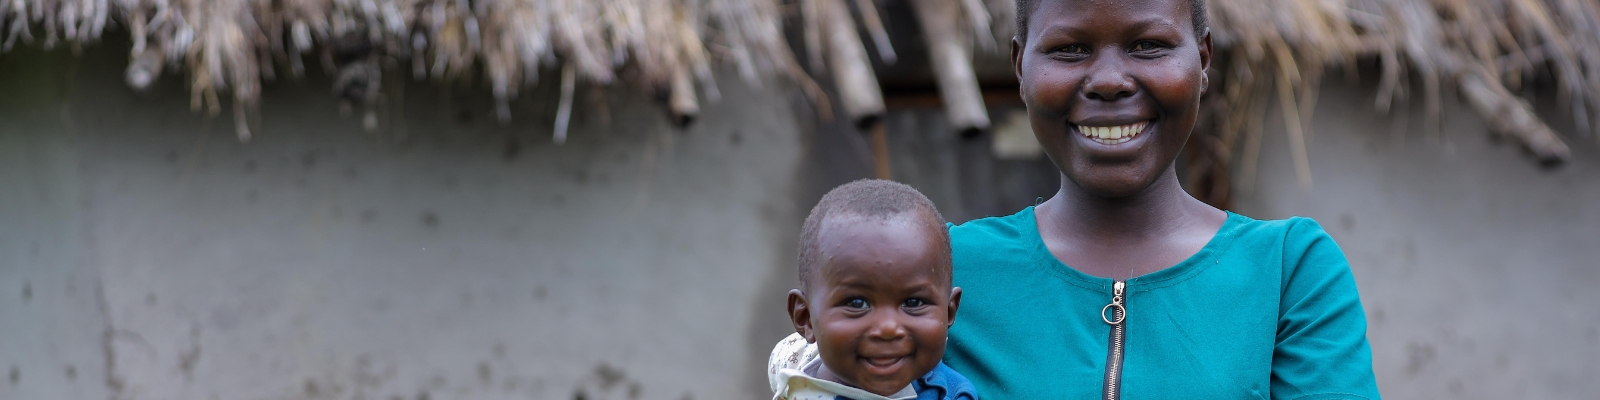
(856, 303)
(914, 303)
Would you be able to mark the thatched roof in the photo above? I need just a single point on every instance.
(1484, 49)
(230, 46)
(1267, 49)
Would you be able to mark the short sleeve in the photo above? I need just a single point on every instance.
(1321, 351)
(943, 383)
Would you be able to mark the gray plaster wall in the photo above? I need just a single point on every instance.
(145, 253)
(1477, 266)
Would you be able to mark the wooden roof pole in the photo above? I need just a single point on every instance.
(681, 102)
(1509, 115)
(950, 55)
(847, 61)
(854, 80)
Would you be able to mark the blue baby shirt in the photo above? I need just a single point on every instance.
(944, 383)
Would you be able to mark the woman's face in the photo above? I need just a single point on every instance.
(1112, 88)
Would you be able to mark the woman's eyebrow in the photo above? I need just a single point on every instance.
(1060, 29)
(1150, 25)
(1144, 25)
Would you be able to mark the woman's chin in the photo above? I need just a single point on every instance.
(1118, 184)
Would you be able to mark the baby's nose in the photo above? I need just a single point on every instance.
(887, 328)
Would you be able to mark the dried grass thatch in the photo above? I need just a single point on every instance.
(1269, 52)
(1482, 49)
(232, 45)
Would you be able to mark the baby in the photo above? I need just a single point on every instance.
(874, 302)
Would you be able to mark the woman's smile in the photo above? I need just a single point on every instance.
(1114, 134)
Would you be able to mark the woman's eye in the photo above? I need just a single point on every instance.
(1070, 53)
(1145, 46)
(914, 303)
(855, 303)
(1073, 49)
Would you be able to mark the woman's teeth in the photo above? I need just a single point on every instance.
(1112, 134)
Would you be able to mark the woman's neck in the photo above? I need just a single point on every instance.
(1160, 210)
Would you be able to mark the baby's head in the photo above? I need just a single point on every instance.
(875, 285)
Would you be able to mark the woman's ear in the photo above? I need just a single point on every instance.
(1016, 61)
(955, 303)
(800, 315)
(1205, 61)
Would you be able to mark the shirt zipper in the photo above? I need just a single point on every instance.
(1115, 314)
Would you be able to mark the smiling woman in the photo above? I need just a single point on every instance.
(1122, 285)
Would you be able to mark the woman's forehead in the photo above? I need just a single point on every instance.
(1168, 9)
(1070, 14)
(1075, 24)
(1178, 6)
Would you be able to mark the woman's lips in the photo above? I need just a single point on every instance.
(1112, 135)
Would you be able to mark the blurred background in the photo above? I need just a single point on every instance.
(577, 199)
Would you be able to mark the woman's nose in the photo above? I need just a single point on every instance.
(1108, 81)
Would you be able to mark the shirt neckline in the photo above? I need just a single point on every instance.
(1196, 262)
(810, 372)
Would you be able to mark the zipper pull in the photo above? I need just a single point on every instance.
(1118, 312)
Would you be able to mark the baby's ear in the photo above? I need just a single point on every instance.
(955, 303)
(800, 315)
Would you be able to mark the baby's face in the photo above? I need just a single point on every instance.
(880, 302)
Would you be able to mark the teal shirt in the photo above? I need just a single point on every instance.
(1267, 309)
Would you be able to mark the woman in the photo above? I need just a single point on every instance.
(1122, 285)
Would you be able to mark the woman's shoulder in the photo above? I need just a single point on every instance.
(1288, 233)
(989, 230)
(1295, 224)
(1300, 244)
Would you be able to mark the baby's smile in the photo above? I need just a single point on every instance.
(884, 366)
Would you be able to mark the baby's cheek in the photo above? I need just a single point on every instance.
(832, 336)
(930, 332)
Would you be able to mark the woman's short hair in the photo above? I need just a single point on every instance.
(1197, 17)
